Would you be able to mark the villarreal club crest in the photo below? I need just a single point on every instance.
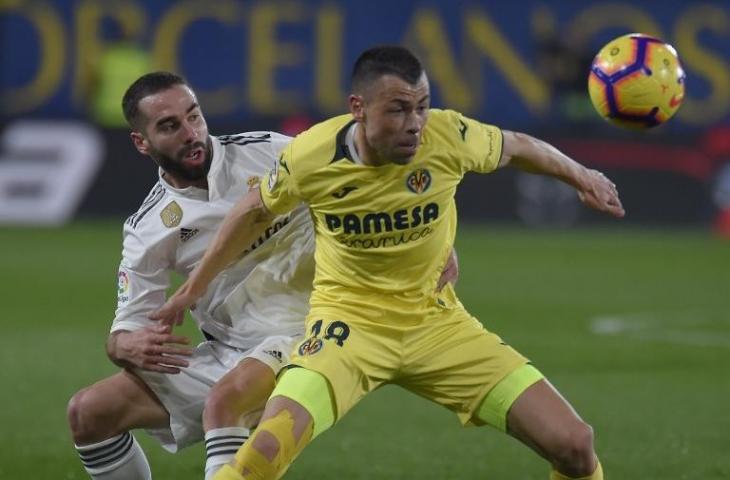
(419, 180)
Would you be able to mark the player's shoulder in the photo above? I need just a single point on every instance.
(320, 144)
(140, 219)
(454, 128)
(150, 230)
(158, 215)
(446, 124)
(252, 138)
(254, 144)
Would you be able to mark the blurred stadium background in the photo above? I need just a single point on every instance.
(631, 318)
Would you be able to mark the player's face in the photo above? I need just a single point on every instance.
(393, 114)
(175, 134)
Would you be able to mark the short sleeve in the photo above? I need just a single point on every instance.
(143, 279)
(482, 144)
(279, 191)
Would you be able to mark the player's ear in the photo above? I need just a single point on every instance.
(357, 107)
(140, 143)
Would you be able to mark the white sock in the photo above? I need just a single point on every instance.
(116, 458)
(221, 444)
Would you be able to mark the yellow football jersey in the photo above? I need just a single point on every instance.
(381, 229)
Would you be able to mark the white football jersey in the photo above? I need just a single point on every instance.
(265, 293)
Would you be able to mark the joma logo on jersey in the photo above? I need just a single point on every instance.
(419, 180)
(377, 222)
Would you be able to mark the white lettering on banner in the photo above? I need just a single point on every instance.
(45, 170)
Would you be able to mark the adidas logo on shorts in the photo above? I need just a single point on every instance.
(274, 353)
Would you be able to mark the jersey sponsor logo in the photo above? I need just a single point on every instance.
(419, 180)
(171, 215)
(187, 233)
(344, 192)
(122, 287)
(310, 346)
(378, 222)
(386, 241)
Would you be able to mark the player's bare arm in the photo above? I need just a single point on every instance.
(530, 154)
(241, 227)
(154, 348)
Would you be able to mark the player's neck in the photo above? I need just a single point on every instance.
(180, 183)
(367, 154)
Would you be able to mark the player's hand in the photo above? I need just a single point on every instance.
(153, 348)
(173, 311)
(450, 273)
(600, 193)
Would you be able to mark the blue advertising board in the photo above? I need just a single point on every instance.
(258, 58)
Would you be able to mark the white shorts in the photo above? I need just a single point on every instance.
(183, 394)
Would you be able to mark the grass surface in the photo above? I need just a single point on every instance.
(632, 326)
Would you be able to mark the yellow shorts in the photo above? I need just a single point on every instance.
(438, 352)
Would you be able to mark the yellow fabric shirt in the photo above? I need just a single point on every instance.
(380, 229)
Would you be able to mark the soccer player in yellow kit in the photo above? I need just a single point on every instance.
(380, 186)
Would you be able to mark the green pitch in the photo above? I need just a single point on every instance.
(632, 326)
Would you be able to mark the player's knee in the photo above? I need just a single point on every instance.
(219, 405)
(82, 415)
(284, 433)
(574, 453)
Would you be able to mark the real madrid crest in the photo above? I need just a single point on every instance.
(171, 215)
(419, 180)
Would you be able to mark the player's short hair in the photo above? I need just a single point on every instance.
(144, 86)
(385, 60)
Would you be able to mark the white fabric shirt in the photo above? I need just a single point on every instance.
(265, 293)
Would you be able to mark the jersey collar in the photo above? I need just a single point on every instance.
(342, 150)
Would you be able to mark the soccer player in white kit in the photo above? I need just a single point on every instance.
(251, 315)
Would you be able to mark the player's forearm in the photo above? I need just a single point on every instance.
(240, 228)
(536, 156)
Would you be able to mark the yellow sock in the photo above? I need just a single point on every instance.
(250, 464)
(597, 474)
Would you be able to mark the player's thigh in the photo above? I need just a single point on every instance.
(242, 391)
(249, 383)
(353, 355)
(454, 361)
(116, 404)
(184, 394)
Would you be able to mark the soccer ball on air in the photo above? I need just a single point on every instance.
(636, 81)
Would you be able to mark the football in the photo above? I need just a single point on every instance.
(636, 81)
